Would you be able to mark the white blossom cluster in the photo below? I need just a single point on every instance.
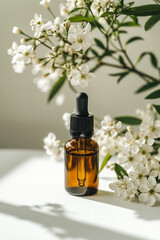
(21, 55)
(66, 8)
(108, 137)
(101, 6)
(72, 40)
(53, 147)
(98, 6)
(141, 159)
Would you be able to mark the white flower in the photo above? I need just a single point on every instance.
(139, 174)
(59, 27)
(145, 150)
(133, 143)
(37, 24)
(129, 159)
(12, 51)
(16, 30)
(40, 26)
(110, 127)
(66, 119)
(60, 99)
(48, 78)
(101, 6)
(124, 188)
(53, 146)
(150, 191)
(23, 54)
(81, 76)
(147, 114)
(64, 10)
(19, 67)
(155, 166)
(78, 36)
(150, 129)
(45, 3)
(43, 83)
(69, 6)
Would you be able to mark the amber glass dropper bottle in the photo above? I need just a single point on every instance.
(81, 152)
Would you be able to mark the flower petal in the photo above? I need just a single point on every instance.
(143, 188)
(157, 196)
(83, 83)
(84, 69)
(151, 201)
(75, 73)
(143, 197)
(157, 188)
(90, 76)
(74, 81)
(72, 38)
(76, 46)
(87, 28)
(151, 182)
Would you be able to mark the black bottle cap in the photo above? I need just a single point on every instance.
(81, 122)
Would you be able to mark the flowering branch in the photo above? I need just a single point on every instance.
(70, 51)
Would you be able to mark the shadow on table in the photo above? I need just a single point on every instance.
(141, 211)
(53, 217)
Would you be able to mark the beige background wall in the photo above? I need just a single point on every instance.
(25, 117)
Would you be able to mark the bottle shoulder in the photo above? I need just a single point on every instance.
(84, 144)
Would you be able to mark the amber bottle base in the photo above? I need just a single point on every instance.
(83, 191)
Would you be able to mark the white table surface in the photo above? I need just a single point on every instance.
(35, 206)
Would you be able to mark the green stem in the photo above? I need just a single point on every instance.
(143, 75)
(37, 40)
(51, 12)
(125, 53)
(95, 20)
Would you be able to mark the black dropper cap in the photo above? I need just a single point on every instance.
(81, 122)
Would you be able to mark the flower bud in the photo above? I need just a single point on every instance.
(23, 40)
(67, 23)
(16, 30)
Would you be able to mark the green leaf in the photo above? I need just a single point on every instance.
(120, 74)
(147, 86)
(129, 120)
(157, 107)
(56, 87)
(99, 43)
(151, 22)
(134, 18)
(120, 171)
(153, 58)
(145, 10)
(130, 4)
(129, 24)
(106, 14)
(122, 31)
(154, 95)
(133, 39)
(76, 9)
(80, 18)
(121, 60)
(121, 3)
(123, 75)
(94, 52)
(106, 159)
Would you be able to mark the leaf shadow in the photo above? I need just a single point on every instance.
(54, 218)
